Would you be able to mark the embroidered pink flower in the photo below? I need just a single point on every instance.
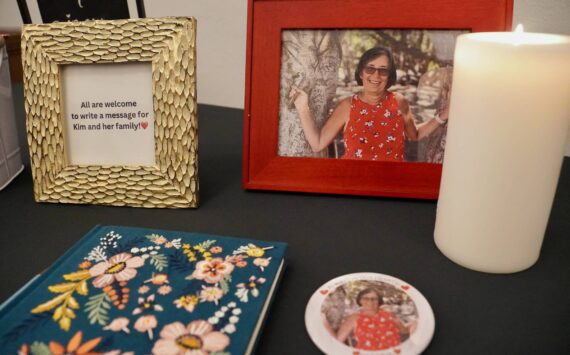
(143, 289)
(235, 258)
(120, 267)
(198, 338)
(24, 349)
(216, 249)
(212, 271)
(262, 263)
(118, 324)
(159, 240)
(158, 279)
(146, 324)
(211, 294)
(164, 290)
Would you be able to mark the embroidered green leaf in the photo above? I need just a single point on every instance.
(63, 287)
(38, 348)
(51, 304)
(77, 276)
(97, 254)
(243, 249)
(152, 237)
(206, 244)
(225, 284)
(160, 261)
(96, 308)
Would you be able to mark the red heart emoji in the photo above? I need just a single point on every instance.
(324, 292)
(405, 287)
(397, 351)
(144, 124)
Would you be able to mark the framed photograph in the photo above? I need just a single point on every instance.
(352, 97)
(46, 11)
(111, 111)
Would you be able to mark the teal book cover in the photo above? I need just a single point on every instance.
(124, 290)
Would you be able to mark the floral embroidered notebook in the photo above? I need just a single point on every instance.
(126, 290)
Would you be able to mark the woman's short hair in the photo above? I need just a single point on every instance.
(369, 56)
(367, 291)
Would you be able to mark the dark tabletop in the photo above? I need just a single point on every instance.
(328, 236)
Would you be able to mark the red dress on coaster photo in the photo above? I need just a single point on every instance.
(377, 332)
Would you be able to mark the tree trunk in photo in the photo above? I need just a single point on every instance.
(435, 144)
(310, 59)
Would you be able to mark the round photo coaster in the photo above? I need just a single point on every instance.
(369, 313)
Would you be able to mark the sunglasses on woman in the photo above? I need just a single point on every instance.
(381, 71)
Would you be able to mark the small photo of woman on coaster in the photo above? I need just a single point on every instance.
(378, 95)
(369, 315)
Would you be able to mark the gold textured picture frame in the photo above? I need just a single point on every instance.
(169, 45)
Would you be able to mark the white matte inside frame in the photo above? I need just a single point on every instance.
(36, 17)
(108, 114)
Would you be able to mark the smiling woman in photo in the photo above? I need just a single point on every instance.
(371, 328)
(375, 121)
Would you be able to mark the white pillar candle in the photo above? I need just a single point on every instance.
(509, 115)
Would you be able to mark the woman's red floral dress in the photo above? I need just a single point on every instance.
(376, 332)
(375, 132)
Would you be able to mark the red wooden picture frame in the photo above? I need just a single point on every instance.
(263, 168)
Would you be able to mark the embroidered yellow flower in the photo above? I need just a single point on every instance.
(187, 250)
(255, 252)
(188, 302)
(199, 249)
